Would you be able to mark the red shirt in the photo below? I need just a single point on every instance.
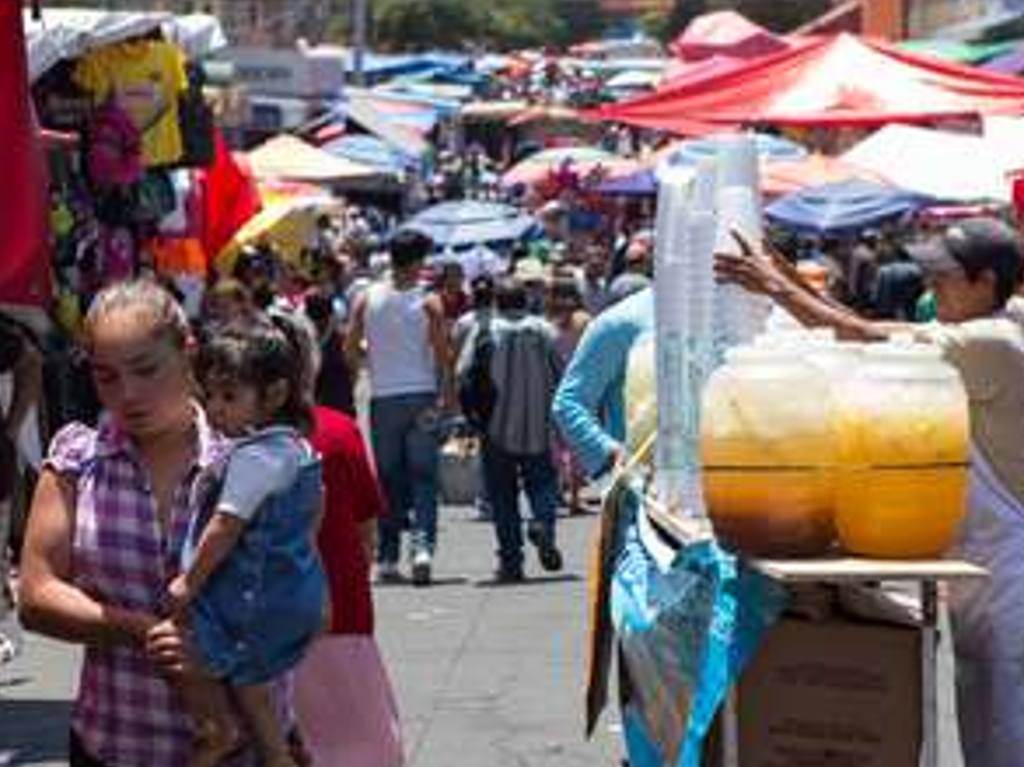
(351, 497)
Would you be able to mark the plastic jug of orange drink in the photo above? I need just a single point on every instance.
(902, 426)
(768, 452)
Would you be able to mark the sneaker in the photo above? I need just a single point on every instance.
(509, 574)
(8, 650)
(422, 564)
(388, 572)
(548, 553)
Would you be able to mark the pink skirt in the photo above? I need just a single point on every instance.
(345, 706)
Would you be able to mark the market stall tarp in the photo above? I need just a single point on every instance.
(778, 177)
(377, 116)
(23, 201)
(725, 33)
(948, 166)
(957, 50)
(470, 222)
(370, 150)
(788, 176)
(838, 81)
(289, 157)
(843, 208)
(66, 33)
(582, 161)
(288, 226)
(690, 153)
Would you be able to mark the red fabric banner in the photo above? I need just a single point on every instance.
(230, 197)
(25, 254)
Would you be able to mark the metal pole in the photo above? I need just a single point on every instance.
(359, 19)
(929, 674)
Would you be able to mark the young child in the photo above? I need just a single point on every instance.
(252, 587)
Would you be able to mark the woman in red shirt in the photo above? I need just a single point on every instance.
(343, 697)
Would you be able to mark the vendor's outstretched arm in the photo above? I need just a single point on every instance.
(769, 274)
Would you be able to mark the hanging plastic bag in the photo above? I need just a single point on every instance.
(687, 629)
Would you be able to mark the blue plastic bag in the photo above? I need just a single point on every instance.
(686, 632)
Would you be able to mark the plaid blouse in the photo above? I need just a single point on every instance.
(126, 714)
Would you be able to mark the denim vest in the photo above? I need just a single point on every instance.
(258, 612)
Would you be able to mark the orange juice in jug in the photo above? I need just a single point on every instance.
(767, 452)
(902, 426)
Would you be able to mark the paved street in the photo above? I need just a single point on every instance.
(487, 676)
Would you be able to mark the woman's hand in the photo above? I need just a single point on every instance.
(766, 271)
(167, 647)
(178, 595)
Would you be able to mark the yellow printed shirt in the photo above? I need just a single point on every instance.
(145, 78)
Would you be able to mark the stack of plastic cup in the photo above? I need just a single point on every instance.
(739, 315)
(684, 305)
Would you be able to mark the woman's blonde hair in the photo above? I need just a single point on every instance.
(146, 300)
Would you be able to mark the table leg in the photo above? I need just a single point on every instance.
(929, 673)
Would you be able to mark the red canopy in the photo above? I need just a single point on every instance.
(725, 33)
(834, 81)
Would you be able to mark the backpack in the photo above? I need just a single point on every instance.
(476, 389)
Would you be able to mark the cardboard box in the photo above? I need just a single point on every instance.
(832, 694)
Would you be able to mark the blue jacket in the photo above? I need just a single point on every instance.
(589, 406)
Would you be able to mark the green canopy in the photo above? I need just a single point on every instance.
(955, 50)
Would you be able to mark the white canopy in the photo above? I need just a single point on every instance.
(955, 167)
(287, 157)
(66, 33)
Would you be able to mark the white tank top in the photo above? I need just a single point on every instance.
(399, 355)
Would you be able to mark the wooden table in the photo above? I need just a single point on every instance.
(851, 570)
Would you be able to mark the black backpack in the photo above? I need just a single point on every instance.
(476, 389)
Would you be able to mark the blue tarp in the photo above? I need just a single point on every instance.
(382, 66)
(689, 153)
(370, 150)
(843, 208)
(643, 183)
(469, 222)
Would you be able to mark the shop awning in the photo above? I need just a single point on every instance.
(948, 166)
(288, 157)
(67, 33)
(843, 208)
(838, 81)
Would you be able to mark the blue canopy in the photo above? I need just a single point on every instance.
(843, 208)
(470, 222)
(642, 183)
(769, 147)
(370, 150)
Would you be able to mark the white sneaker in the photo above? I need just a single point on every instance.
(8, 650)
(422, 564)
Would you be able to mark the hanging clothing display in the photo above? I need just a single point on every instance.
(145, 78)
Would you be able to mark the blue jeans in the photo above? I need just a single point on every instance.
(540, 480)
(405, 447)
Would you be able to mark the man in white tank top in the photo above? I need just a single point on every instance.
(409, 364)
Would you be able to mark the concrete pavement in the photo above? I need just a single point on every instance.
(485, 675)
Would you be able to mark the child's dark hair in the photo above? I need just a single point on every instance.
(260, 354)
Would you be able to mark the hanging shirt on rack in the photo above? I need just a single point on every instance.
(146, 79)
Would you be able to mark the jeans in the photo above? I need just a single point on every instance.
(503, 471)
(405, 448)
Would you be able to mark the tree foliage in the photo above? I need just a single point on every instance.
(421, 24)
